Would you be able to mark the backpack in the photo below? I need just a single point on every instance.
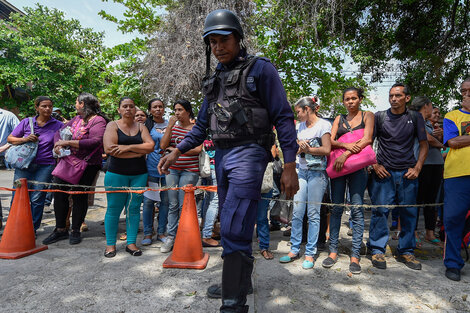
(381, 119)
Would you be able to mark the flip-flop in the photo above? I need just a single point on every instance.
(419, 243)
(434, 241)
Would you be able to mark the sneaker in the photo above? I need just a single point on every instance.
(378, 261)
(328, 262)
(167, 245)
(47, 209)
(453, 274)
(146, 241)
(56, 236)
(354, 268)
(75, 238)
(410, 261)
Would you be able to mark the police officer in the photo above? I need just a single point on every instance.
(243, 99)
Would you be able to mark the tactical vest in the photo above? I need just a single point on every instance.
(236, 117)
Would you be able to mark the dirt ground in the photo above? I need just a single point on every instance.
(79, 279)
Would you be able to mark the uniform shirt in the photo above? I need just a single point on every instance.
(457, 123)
(270, 91)
(46, 137)
(8, 122)
(313, 136)
(153, 158)
(396, 139)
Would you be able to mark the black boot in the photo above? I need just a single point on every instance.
(236, 280)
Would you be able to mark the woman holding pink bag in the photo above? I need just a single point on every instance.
(351, 135)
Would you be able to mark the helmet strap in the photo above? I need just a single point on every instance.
(208, 61)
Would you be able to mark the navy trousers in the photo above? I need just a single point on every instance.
(456, 206)
(239, 172)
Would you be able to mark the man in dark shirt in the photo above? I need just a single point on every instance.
(240, 160)
(394, 177)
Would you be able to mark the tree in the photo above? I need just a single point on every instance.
(123, 63)
(45, 54)
(419, 42)
(175, 63)
(423, 41)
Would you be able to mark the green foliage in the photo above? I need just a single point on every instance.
(140, 15)
(123, 63)
(309, 60)
(423, 42)
(45, 54)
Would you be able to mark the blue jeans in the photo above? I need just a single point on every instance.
(312, 186)
(356, 183)
(388, 191)
(37, 172)
(262, 224)
(177, 178)
(210, 208)
(149, 208)
(456, 205)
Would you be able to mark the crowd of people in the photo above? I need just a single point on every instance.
(407, 172)
(406, 157)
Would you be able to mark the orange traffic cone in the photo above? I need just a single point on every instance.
(187, 250)
(18, 239)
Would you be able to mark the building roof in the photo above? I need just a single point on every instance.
(6, 8)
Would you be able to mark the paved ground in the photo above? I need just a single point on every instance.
(79, 279)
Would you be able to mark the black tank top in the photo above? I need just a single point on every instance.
(343, 130)
(133, 166)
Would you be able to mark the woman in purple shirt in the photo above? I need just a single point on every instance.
(87, 130)
(41, 167)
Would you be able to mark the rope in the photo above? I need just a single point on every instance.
(141, 190)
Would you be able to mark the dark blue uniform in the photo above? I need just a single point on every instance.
(240, 169)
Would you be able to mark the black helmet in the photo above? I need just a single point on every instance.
(222, 22)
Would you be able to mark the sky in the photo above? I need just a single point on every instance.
(86, 11)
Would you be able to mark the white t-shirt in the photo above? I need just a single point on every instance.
(313, 135)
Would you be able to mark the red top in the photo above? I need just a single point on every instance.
(185, 162)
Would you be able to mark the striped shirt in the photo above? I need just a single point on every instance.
(185, 162)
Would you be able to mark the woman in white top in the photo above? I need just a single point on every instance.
(314, 145)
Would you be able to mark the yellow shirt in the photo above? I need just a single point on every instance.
(457, 123)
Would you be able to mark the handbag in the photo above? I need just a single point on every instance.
(282, 210)
(20, 156)
(71, 168)
(204, 164)
(356, 161)
(267, 184)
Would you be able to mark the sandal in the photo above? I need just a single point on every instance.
(123, 236)
(419, 243)
(434, 241)
(267, 255)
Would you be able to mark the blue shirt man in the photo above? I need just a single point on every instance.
(8, 122)
(394, 177)
(240, 168)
